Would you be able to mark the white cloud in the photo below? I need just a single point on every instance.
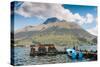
(44, 10)
(89, 18)
(47, 10)
(96, 20)
(79, 19)
(93, 31)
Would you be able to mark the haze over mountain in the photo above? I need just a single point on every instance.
(52, 31)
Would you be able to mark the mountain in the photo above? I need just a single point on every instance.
(54, 31)
(51, 20)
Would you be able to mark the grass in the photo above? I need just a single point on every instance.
(61, 40)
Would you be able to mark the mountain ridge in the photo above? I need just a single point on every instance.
(51, 20)
(50, 31)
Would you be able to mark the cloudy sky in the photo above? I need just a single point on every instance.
(28, 13)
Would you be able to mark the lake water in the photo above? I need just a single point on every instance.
(22, 57)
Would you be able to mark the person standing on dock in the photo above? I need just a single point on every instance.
(80, 55)
(73, 56)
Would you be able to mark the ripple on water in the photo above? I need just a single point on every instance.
(22, 57)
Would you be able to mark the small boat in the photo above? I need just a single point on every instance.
(79, 55)
(71, 53)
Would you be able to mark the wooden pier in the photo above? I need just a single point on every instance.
(43, 49)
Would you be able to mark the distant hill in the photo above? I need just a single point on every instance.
(54, 31)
